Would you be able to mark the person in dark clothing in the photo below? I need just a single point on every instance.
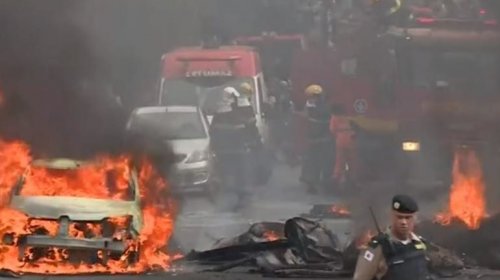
(317, 162)
(228, 135)
(260, 169)
(244, 109)
(398, 253)
(279, 117)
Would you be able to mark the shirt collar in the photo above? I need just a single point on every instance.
(413, 236)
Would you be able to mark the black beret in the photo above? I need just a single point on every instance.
(404, 204)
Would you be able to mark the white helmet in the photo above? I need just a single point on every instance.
(232, 91)
(229, 96)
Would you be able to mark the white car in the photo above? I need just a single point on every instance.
(185, 128)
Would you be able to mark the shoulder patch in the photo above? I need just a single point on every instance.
(420, 246)
(368, 256)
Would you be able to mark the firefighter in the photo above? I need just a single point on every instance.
(345, 145)
(259, 167)
(279, 119)
(388, 12)
(228, 141)
(244, 103)
(316, 166)
(397, 253)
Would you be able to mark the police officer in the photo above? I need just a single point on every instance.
(398, 253)
(317, 166)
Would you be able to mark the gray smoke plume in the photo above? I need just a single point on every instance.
(71, 71)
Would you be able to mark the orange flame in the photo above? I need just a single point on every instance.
(271, 235)
(340, 210)
(86, 181)
(466, 202)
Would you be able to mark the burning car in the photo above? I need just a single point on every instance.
(75, 226)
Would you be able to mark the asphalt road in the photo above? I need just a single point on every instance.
(484, 275)
(202, 222)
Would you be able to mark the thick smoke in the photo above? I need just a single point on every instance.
(71, 71)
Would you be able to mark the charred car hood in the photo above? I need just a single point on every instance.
(76, 208)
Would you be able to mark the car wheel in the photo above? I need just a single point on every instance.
(134, 257)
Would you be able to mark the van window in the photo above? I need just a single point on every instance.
(206, 93)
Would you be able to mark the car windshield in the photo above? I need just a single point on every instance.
(204, 92)
(468, 72)
(108, 181)
(169, 125)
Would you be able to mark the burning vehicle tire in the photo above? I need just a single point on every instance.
(77, 229)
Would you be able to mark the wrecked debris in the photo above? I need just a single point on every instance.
(306, 249)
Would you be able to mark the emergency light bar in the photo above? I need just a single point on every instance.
(207, 58)
(275, 37)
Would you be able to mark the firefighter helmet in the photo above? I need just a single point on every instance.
(387, 7)
(246, 88)
(314, 90)
(231, 91)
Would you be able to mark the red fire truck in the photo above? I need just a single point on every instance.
(276, 51)
(416, 93)
(198, 75)
(444, 90)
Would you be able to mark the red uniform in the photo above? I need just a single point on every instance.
(345, 152)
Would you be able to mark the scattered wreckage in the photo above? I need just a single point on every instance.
(304, 247)
(89, 230)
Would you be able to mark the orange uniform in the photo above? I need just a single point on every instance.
(345, 152)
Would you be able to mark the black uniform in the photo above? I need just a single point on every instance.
(228, 141)
(257, 161)
(318, 161)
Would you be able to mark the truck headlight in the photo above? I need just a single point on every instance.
(411, 146)
(198, 156)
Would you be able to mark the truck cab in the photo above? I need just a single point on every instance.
(197, 76)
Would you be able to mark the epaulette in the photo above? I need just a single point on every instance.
(378, 240)
(422, 239)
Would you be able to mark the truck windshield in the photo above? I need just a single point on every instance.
(466, 72)
(203, 92)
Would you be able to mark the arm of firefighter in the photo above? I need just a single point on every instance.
(369, 264)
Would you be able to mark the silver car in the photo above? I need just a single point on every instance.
(185, 128)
